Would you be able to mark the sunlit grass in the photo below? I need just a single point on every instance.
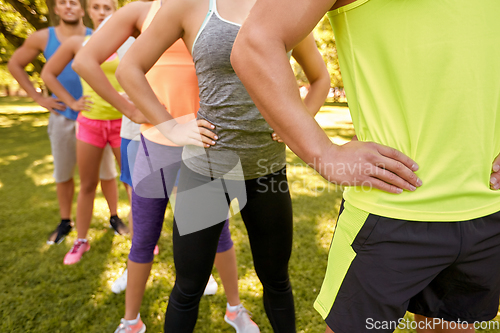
(39, 294)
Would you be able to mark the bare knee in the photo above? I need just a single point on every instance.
(88, 186)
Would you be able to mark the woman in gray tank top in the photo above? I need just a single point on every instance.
(229, 153)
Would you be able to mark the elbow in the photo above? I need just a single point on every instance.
(10, 65)
(44, 75)
(323, 83)
(326, 84)
(120, 74)
(77, 65)
(236, 53)
(243, 44)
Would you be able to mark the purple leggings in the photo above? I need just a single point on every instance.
(155, 171)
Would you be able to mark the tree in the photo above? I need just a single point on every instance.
(17, 20)
(326, 45)
(20, 18)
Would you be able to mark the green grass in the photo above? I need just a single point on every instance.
(39, 294)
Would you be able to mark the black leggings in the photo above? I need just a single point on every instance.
(267, 215)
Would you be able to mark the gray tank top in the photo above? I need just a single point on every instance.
(244, 135)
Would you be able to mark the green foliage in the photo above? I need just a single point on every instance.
(326, 45)
(20, 18)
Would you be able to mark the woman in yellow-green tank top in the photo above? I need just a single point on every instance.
(98, 124)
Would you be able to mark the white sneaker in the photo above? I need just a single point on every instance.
(211, 287)
(120, 284)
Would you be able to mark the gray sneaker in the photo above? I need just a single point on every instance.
(241, 321)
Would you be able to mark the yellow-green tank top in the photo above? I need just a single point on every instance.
(102, 110)
(424, 77)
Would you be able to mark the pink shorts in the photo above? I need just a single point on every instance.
(99, 132)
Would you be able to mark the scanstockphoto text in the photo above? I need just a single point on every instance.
(311, 184)
(435, 323)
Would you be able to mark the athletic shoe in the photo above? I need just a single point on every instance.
(125, 327)
(241, 321)
(120, 284)
(211, 287)
(116, 223)
(156, 251)
(58, 235)
(75, 254)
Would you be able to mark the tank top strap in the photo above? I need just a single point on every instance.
(212, 7)
(52, 33)
(155, 7)
(52, 43)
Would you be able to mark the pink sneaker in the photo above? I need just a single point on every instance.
(240, 320)
(75, 254)
(125, 327)
(156, 250)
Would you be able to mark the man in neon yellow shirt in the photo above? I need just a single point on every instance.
(399, 245)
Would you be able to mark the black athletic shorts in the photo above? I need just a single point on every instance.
(378, 268)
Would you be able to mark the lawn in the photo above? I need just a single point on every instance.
(40, 294)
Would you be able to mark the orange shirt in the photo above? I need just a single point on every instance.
(173, 80)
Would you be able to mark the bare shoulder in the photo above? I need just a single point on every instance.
(134, 13)
(185, 6)
(75, 41)
(72, 45)
(37, 40)
(135, 8)
(190, 12)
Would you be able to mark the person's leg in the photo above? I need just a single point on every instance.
(194, 256)
(138, 275)
(114, 221)
(128, 149)
(65, 192)
(128, 188)
(88, 159)
(149, 215)
(194, 253)
(269, 222)
(109, 189)
(328, 330)
(440, 326)
(107, 175)
(63, 146)
(225, 262)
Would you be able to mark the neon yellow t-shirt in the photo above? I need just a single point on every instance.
(102, 110)
(424, 77)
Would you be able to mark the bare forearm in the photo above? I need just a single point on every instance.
(57, 88)
(134, 82)
(91, 72)
(315, 98)
(277, 96)
(23, 79)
